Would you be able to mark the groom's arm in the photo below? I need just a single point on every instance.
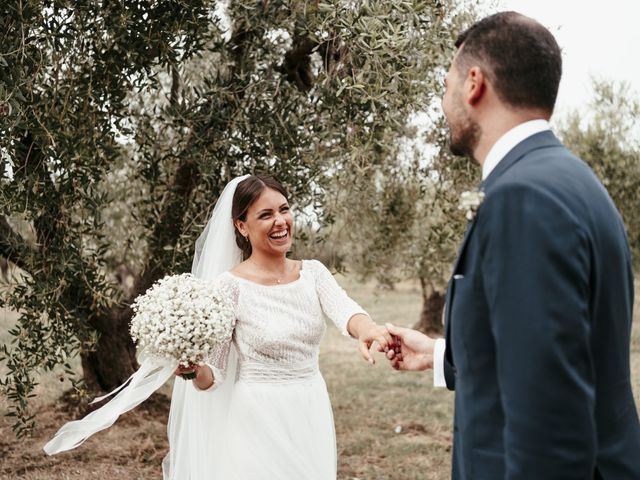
(536, 274)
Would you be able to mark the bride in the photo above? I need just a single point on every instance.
(259, 409)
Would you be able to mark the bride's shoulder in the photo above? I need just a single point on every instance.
(226, 279)
(313, 265)
(239, 268)
(225, 275)
(308, 263)
(227, 283)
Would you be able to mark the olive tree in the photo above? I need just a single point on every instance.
(122, 121)
(607, 137)
(398, 217)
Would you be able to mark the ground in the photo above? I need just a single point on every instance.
(389, 425)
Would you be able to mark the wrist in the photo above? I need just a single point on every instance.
(361, 325)
(429, 354)
(428, 361)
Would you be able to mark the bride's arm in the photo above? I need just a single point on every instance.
(346, 314)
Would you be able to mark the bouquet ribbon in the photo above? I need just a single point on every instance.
(151, 375)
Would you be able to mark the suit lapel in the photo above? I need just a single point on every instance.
(465, 240)
(450, 289)
(539, 140)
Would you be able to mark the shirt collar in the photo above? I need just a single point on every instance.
(509, 140)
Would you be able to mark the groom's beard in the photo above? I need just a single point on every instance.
(464, 140)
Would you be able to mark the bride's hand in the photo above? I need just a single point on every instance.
(202, 376)
(191, 369)
(367, 331)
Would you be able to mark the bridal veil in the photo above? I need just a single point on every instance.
(197, 418)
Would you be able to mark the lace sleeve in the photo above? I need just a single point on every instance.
(219, 358)
(335, 302)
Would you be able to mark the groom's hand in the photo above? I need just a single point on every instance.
(412, 350)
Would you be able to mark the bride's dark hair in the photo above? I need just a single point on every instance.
(247, 192)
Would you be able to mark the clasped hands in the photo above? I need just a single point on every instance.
(405, 348)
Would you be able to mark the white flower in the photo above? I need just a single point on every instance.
(183, 318)
(470, 202)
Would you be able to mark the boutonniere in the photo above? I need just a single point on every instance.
(470, 202)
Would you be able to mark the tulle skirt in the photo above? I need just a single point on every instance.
(280, 431)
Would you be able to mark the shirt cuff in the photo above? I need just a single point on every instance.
(438, 363)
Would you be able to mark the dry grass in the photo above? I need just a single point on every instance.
(369, 402)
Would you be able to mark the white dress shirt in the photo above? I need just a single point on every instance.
(499, 150)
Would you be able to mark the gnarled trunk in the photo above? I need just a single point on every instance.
(432, 308)
(114, 358)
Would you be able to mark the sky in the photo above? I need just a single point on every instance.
(598, 38)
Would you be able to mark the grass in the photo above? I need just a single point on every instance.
(369, 403)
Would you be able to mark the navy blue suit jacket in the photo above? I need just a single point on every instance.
(538, 324)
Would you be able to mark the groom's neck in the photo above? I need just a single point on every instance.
(496, 122)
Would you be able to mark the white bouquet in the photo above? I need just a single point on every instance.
(182, 318)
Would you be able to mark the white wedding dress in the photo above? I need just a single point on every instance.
(279, 424)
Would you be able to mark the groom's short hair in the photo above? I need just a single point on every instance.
(520, 57)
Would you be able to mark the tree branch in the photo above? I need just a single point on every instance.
(169, 227)
(297, 64)
(31, 168)
(175, 85)
(12, 246)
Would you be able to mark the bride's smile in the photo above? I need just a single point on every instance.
(269, 223)
(280, 235)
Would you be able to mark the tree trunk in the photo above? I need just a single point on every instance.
(114, 357)
(432, 307)
(113, 360)
(4, 269)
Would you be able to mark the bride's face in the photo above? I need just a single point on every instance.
(269, 223)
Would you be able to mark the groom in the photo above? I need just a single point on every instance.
(539, 307)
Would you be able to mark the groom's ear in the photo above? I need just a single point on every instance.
(475, 85)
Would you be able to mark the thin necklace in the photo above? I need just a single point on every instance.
(278, 281)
